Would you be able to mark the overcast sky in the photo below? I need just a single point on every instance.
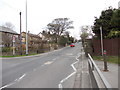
(42, 12)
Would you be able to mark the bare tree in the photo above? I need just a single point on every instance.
(59, 26)
(67, 33)
(7, 40)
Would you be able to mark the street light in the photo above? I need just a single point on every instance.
(101, 40)
(26, 32)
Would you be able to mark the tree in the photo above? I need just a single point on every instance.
(8, 25)
(84, 33)
(104, 22)
(7, 37)
(62, 41)
(59, 26)
(67, 33)
(115, 24)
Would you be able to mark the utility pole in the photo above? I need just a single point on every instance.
(103, 51)
(20, 36)
(26, 32)
(101, 40)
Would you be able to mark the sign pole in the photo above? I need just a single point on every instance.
(13, 45)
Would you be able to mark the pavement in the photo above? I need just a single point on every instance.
(112, 74)
(82, 79)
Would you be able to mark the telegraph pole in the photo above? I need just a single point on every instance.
(103, 51)
(26, 32)
(101, 40)
(20, 36)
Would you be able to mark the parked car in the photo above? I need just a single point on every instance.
(72, 45)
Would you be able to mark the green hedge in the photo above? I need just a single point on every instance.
(6, 49)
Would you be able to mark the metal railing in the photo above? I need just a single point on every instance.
(97, 78)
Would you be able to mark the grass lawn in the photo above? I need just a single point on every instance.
(18, 55)
(112, 59)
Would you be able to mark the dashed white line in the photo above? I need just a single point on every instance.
(7, 85)
(16, 80)
(21, 77)
(55, 58)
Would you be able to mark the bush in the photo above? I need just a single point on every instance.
(6, 49)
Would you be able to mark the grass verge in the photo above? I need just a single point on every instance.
(19, 55)
(111, 59)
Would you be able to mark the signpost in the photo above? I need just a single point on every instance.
(13, 45)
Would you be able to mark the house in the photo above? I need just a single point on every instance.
(33, 40)
(6, 36)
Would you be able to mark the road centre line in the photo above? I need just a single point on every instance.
(75, 70)
(21, 77)
(17, 80)
(7, 85)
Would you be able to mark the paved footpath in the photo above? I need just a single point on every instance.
(111, 75)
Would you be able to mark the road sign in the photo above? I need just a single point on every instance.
(13, 38)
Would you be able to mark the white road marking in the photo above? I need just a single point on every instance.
(69, 54)
(60, 85)
(49, 62)
(21, 77)
(16, 80)
(7, 85)
(55, 58)
(75, 70)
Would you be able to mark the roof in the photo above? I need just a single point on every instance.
(32, 35)
(7, 30)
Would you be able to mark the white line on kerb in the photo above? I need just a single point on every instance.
(75, 70)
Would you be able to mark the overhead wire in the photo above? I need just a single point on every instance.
(8, 5)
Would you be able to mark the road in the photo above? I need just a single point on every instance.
(54, 69)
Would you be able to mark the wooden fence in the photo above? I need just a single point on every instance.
(112, 46)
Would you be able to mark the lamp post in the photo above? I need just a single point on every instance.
(26, 32)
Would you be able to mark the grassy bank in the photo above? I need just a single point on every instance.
(111, 59)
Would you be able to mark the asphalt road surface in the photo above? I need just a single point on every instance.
(55, 69)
